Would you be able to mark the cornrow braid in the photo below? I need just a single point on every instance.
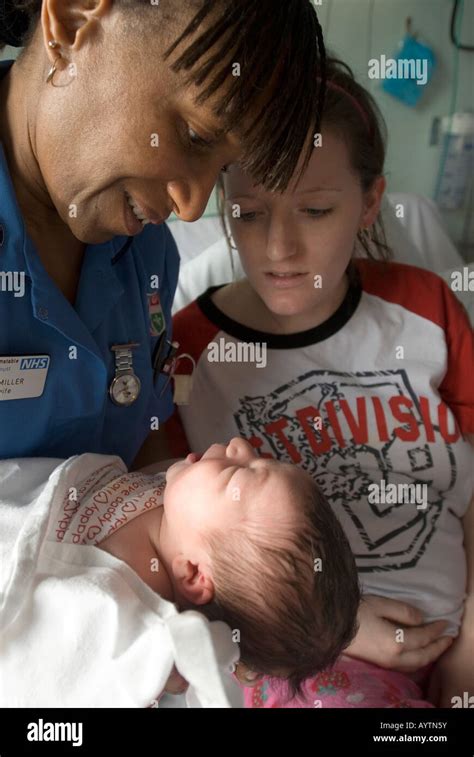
(276, 102)
(290, 65)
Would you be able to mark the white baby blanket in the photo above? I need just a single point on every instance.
(78, 627)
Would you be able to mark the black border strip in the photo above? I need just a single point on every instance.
(282, 341)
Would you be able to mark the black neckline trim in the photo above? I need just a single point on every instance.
(282, 341)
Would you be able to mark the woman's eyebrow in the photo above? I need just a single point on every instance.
(211, 125)
(317, 189)
(216, 134)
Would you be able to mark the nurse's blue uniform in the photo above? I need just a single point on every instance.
(116, 304)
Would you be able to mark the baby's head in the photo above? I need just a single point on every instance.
(252, 542)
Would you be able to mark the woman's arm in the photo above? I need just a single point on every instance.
(454, 672)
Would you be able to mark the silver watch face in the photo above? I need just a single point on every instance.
(125, 389)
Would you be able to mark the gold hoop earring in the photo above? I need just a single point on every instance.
(53, 45)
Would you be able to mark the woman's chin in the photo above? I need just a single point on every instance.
(288, 305)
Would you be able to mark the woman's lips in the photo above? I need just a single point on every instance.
(285, 280)
(150, 214)
(133, 224)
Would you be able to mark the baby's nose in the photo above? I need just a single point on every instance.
(240, 449)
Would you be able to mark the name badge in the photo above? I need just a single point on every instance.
(23, 377)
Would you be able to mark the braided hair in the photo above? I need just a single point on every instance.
(278, 98)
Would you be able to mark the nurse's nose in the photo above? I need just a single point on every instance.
(240, 450)
(190, 195)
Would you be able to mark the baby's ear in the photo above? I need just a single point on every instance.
(193, 581)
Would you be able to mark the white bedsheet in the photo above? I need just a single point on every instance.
(78, 627)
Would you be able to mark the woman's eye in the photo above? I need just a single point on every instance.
(247, 217)
(197, 140)
(316, 213)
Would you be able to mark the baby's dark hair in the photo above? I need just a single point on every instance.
(292, 597)
(366, 140)
(272, 104)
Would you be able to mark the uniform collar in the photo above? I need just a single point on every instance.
(13, 230)
(12, 257)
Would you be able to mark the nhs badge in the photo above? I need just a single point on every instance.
(23, 376)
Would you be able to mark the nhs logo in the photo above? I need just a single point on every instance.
(33, 363)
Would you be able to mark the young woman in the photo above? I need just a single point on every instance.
(358, 370)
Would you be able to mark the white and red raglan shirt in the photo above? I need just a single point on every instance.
(381, 393)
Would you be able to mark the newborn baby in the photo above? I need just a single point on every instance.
(245, 540)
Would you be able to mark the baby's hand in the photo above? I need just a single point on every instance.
(380, 641)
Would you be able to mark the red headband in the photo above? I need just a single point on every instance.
(332, 85)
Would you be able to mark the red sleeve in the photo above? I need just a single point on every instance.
(427, 294)
(193, 331)
(457, 387)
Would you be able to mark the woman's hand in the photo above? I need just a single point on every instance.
(380, 623)
(453, 676)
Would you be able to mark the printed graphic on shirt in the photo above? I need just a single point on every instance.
(365, 428)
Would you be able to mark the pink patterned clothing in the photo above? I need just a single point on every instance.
(349, 684)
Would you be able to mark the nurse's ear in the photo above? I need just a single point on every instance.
(193, 581)
(373, 201)
(70, 23)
